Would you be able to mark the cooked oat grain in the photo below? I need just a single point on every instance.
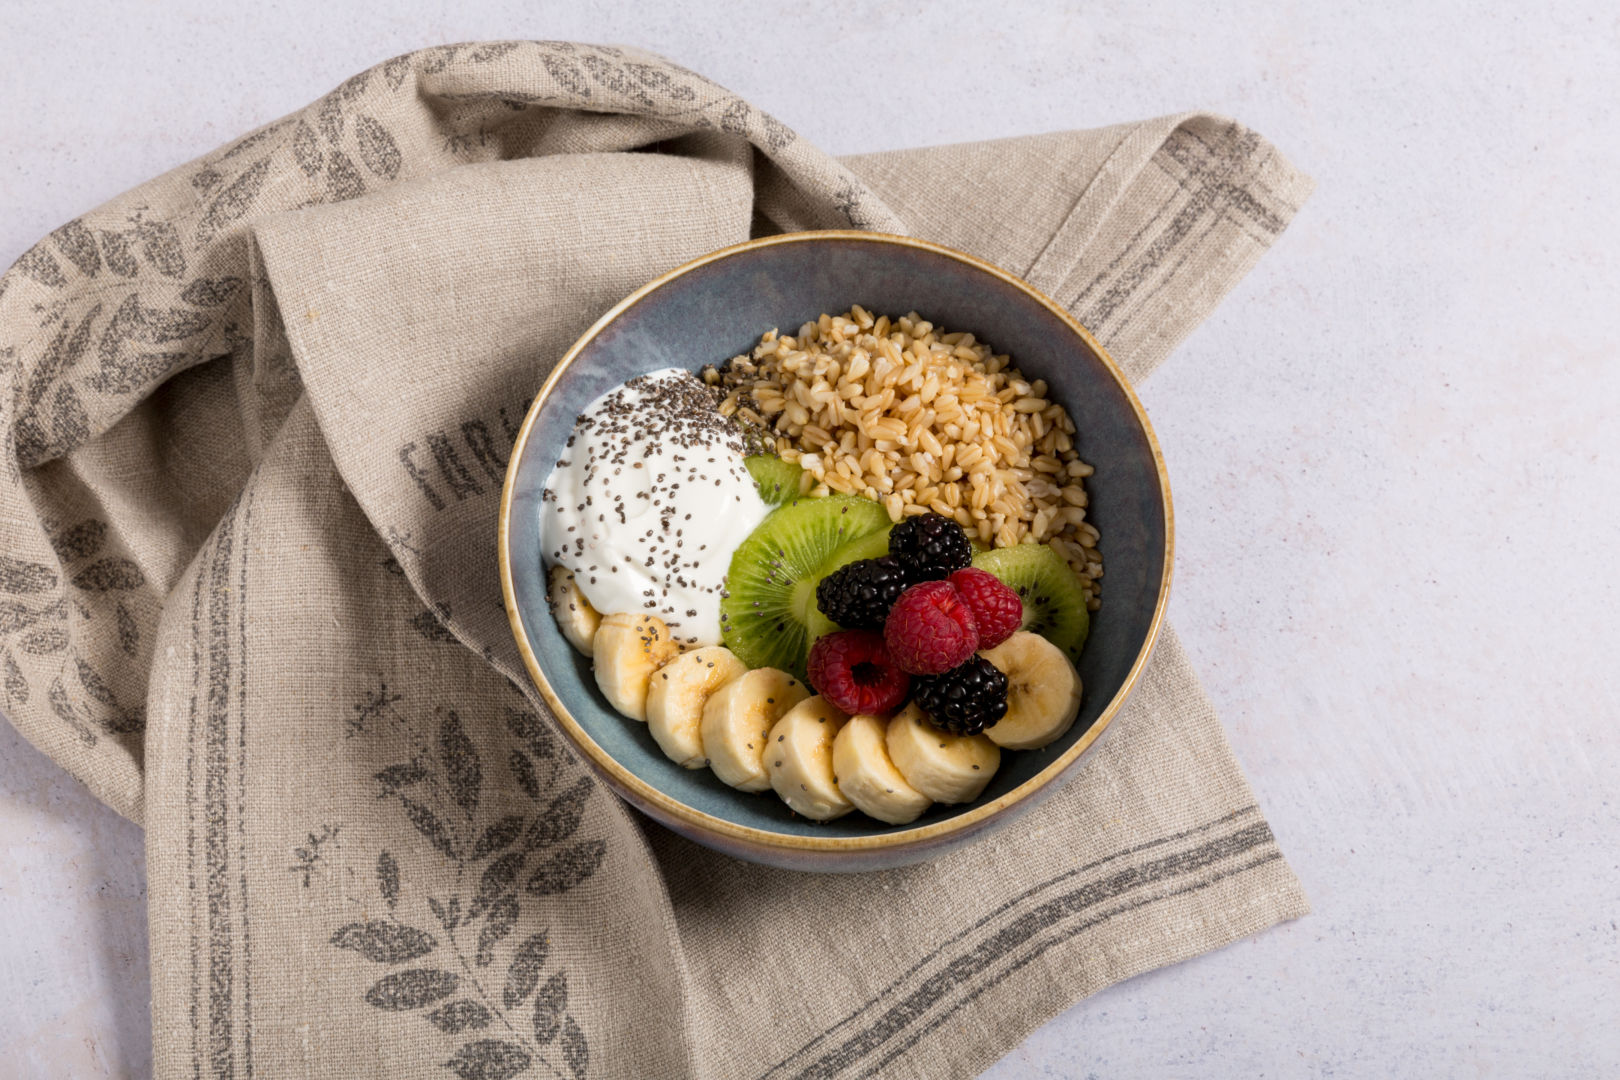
(918, 419)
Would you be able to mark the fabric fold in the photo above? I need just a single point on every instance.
(259, 417)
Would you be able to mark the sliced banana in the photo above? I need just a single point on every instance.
(799, 756)
(627, 649)
(945, 767)
(1043, 692)
(676, 698)
(575, 617)
(737, 720)
(868, 778)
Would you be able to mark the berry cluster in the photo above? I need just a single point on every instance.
(934, 611)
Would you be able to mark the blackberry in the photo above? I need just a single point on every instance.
(966, 699)
(858, 596)
(930, 546)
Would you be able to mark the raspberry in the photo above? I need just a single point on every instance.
(996, 608)
(966, 699)
(930, 546)
(930, 630)
(852, 669)
(859, 596)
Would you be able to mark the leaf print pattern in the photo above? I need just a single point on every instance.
(432, 627)
(46, 642)
(115, 249)
(16, 683)
(330, 119)
(385, 942)
(459, 1016)
(483, 904)
(429, 825)
(22, 576)
(38, 264)
(412, 989)
(388, 879)
(396, 777)
(576, 1052)
(232, 203)
(460, 757)
(524, 974)
(94, 686)
(488, 1059)
(378, 151)
(498, 880)
(343, 180)
(62, 706)
(537, 737)
(109, 574)
(80, 541)
(549, 1006)
(206, 180)
(135, 323)
(567, 74)
(567, 868)
(492, 50)
(561, 818)
(129, 631)
(395, 70)
(523, 772)
(160, 244)
(503, 916)
(306, 150)
(210, 292)
(498, 836)
(64, 352)
(309, 855)
(615, 78)
(78, 244)
(657, 78)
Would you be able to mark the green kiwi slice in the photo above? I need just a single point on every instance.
(771, 586)
(778, 480)
(1054, 605)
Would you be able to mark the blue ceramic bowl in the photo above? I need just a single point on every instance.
(717, 307)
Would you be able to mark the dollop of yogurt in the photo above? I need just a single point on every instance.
(649, 499)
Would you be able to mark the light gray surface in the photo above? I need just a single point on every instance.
(1394, 452)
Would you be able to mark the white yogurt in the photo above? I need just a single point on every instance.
(649, 499)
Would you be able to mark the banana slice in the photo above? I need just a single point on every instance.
(575, 617)
(945, 767)
(627, 649)
(799, 757)
(1043, 692)
(737, 720)
(868, 778)
(676, 698)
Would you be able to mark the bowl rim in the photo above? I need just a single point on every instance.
(922, 835)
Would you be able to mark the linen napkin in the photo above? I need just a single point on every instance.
(259, 415)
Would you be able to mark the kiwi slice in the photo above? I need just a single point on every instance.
(771, 586)
(778, 480)
(1054, 605)
(870, 546)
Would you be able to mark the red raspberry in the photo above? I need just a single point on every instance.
(996, 608)
(930, 630)
(852, 669)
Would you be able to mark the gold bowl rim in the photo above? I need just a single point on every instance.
(901, 839)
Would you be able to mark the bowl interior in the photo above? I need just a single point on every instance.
(718, 310)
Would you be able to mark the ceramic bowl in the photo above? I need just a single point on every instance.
(716, 307)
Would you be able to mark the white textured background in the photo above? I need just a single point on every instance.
(1394, 452)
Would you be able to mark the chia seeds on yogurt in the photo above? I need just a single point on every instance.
(649, 498)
